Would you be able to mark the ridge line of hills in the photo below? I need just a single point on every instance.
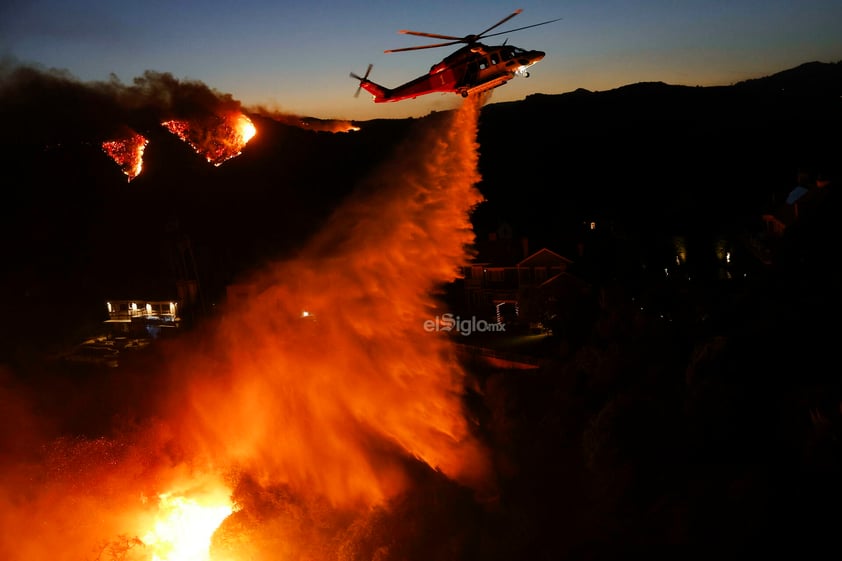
(653, 159)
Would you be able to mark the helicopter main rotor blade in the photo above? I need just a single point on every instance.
(519, 28)
(467, 39)
(433, 35)
(423, 47)
(499, 23)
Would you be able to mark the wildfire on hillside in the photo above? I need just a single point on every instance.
(326, 125)
(308, 123)
(218, 138)
(127, 152)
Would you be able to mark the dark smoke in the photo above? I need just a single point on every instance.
(40, 105)
(47, 105)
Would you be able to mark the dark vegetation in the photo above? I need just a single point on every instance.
(713, 432)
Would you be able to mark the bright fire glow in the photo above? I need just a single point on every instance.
(246, 128)
(183, 528)
(218, 138)
(367, 372)
(320, 420)
(127, 153)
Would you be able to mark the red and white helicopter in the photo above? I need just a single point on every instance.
(474, 68)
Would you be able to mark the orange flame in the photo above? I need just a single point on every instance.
(184, 526)
(127, 153)
(218, 138)
(81, 502)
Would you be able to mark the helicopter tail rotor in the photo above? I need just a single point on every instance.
(362, 79)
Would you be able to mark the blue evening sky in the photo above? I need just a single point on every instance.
(296, 56)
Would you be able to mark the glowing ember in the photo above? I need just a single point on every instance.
(218, 140)
(183, 528)
(127, 153)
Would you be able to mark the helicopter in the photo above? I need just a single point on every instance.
(472, 69)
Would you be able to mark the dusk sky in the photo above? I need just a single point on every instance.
(296, 57)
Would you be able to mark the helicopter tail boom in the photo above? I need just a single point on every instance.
(380, 93)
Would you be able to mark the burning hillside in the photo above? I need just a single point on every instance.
(48, 107)
(127, 152)
(218, 140)
(339, 435)
(309, 123)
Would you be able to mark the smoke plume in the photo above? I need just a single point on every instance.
(45, 106)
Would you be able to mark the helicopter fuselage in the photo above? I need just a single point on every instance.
(472, 69)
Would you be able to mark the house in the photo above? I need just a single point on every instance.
(531, 292)
(142, 318)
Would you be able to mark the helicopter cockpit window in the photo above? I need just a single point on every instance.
(494, 59)
(483, 63)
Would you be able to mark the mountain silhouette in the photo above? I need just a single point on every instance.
(652, 151)
(650, 157)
